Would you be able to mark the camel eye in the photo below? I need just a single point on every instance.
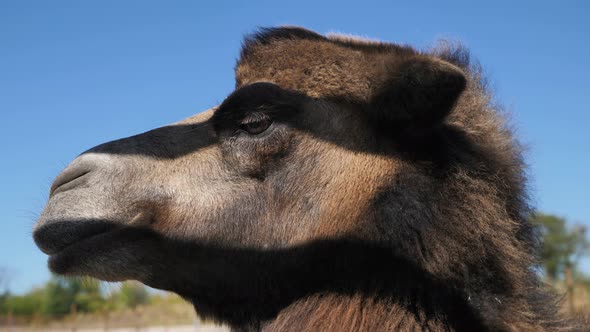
(257, 126)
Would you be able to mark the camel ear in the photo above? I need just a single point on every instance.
(421, 93)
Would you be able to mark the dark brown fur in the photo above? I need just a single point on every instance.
(389, 195)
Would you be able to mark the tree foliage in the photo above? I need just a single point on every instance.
(23, 305)
(133, 294)
(562, 245)
(59, 296)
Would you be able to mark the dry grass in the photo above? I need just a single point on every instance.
(165, 310)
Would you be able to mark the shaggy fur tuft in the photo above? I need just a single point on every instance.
(471, 223)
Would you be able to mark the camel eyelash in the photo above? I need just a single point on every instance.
(255, 117)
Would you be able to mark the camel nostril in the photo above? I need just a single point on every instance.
(68, 179)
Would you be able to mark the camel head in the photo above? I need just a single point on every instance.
(337, 166)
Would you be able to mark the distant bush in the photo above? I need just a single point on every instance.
(59, 296)
(23, 305)
(133, 294)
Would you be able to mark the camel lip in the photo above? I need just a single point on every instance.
(108, 255)
(55, 237)
(60, 262)
(75, 243)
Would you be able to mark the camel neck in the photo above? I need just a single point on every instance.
(357, 312)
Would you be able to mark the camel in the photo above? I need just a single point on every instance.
(345, 185)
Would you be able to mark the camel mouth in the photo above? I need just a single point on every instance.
(97, 248)
(61, 261)
(111, 254)
(55, 237)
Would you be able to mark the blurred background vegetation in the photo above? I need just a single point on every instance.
(564, 244)
(65, 303)
(59, 296)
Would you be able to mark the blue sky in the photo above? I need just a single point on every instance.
(77, 73)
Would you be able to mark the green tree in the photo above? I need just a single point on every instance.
(59, 297)
(61, 294)
(133, 294)
(56, 298)
(88, 297)
(28, 304)
(562, 245)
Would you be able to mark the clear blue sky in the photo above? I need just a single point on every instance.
(77, 73)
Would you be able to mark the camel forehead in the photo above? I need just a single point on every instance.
(321, 67)
(197, 118)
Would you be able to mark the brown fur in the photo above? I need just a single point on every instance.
(388, 194)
